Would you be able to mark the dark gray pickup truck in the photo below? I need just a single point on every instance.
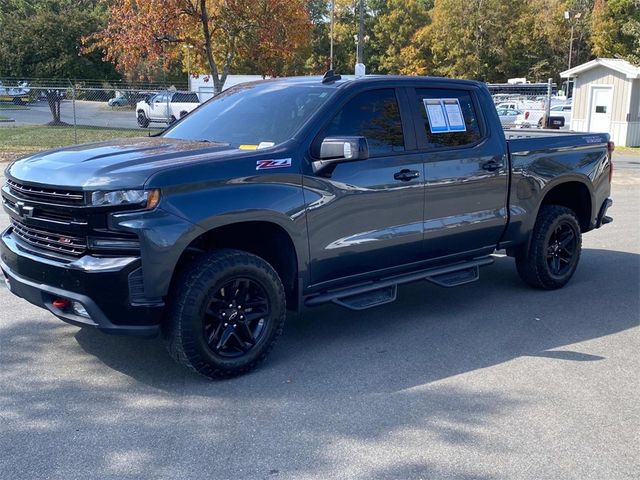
(290, 193)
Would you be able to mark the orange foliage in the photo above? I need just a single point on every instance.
(145, 34)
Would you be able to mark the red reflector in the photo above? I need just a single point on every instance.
(526, 115)
(61, 303)
(611, 146)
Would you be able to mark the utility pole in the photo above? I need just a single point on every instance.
(333, 8)
(360, 52)
(572, 22)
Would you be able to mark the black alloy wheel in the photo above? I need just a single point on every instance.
(561, 249)
(226, 311)
(236, 317)
(551, 257)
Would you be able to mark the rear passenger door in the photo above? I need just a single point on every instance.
(466, 173)
(365, 216)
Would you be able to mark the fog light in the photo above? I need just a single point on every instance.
(79, 309)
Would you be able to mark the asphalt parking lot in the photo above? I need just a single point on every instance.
(97, 114)
(491, 380)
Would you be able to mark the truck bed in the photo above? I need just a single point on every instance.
(534, 140)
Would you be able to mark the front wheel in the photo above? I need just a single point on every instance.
(143, 121)
(554, 251)
(227, 312)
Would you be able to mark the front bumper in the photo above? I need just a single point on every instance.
(101, 285)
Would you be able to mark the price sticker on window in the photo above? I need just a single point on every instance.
(454, 115)
(445, 115)
(436, 115)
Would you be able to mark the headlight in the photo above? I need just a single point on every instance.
(147, 198)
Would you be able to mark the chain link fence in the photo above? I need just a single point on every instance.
(62, 113)
(531, 105)
(51, 113)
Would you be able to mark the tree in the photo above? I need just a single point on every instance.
(394, 30)
(223, 33)
(42, 39)
(465, 39)
(615, 27)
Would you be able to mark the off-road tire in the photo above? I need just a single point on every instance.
(183, 329)
(533, 265)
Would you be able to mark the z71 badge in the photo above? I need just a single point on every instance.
(267, 164)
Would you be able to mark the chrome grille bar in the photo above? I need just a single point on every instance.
(49, 240)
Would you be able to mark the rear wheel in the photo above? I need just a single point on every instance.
(226, 314)
(554, 251)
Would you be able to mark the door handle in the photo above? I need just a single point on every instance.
(405, 175)
(492, 165)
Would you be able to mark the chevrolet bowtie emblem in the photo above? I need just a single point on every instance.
(24, 210)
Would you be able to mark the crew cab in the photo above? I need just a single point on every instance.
(165, 107)
(289, 193)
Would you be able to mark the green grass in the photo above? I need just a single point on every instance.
(3, 117)
(32, 138)
(628, 149)
(11, 106)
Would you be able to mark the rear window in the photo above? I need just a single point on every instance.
(180, 97)
(438, 136)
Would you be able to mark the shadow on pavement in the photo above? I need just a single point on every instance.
(338, 381)
(430, 333)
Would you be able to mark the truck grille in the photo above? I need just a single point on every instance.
(47, 240)
(63, 197)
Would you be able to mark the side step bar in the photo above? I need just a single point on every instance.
(384, 290)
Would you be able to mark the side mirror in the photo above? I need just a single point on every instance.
(341, 149)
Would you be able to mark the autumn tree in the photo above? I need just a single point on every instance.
(615, 29)
(394, 30)
(222, 32)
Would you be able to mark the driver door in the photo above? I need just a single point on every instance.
(158, 108)
(366, 216)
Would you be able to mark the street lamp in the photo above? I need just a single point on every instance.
(188, 47)
(569, 18)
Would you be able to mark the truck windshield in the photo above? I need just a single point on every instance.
(252, 116)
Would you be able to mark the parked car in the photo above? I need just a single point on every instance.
(533, 118)
(118, 102)
(165, 107)
(508, 116)
(291, 193)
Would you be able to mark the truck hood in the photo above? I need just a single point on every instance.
(123, 163)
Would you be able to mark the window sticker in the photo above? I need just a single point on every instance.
(454, 115)
(445, 115)
(436, 115)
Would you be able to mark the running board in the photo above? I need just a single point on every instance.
(383, 291)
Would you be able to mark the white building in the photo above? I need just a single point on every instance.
(203, 84)
(606, 98)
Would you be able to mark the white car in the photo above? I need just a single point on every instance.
(508, 116)
(165, 107)
(533, 118)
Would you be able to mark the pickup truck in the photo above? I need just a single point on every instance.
(532, 118)
(289, 193)
(165, 107)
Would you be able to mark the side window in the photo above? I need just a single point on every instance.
(444, 139)
(375, 115)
